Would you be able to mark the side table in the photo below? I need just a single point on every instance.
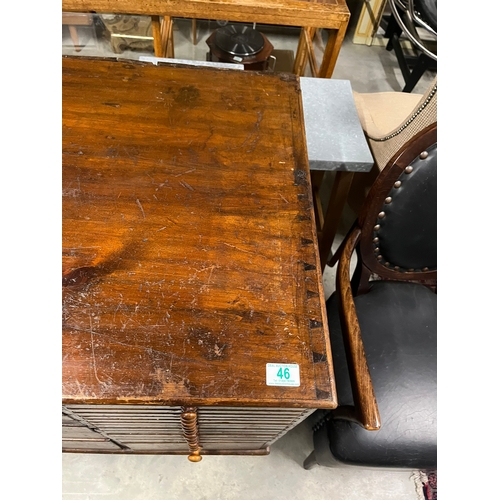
(310, 14)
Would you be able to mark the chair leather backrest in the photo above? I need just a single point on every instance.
(408, 231)
(398, 220)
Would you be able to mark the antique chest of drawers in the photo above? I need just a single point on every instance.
(193, 312)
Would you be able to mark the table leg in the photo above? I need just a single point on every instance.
(338, 198)
(309, 36)
(155, 24)
(163, 36)
(316, 180)
(332, 50)
(170, 38)
(193, 29)
(74, 37)
(300, 58)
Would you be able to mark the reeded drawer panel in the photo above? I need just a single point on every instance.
(245, 428)
(133, 427)
(165, 429)
(79, 437)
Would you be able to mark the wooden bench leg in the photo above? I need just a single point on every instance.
(163, 36)
(155, 24)
(309, 36)
(300, 58)
(193, 29)
(74, 37)
(332, 50)
(316, 181)
(170, 37)
(338, 199)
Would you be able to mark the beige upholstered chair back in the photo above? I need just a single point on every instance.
(389, 120)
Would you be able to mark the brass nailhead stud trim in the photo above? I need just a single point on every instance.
(424, 155)
(397, 184)
(411, 269)
(425, 269)
(388, 200)
(377, 227)
(377, 250)
(381, 215)
(387, 264)
(408, 170)
(396, 268)
(379, 257)
(376, 240)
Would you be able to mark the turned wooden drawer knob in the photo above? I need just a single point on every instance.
(189, 422)
(195, 456)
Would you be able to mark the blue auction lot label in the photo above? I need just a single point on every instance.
(282, 374)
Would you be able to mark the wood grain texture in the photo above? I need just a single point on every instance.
(190, 258)
(312, 13)
(366, 409)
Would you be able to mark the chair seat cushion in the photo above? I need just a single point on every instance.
(399, 328)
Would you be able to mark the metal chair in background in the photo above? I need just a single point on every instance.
(417, 21)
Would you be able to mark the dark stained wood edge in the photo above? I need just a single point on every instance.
(318, 271)
(267, 403)
(367, 413)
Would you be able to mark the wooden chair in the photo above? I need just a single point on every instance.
(383, 323)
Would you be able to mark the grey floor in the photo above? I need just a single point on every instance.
(279, 475)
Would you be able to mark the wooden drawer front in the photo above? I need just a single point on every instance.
(143, 429)
(77, 436)
(136, 428)
(222, 428)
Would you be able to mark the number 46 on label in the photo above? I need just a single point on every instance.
(283, 374)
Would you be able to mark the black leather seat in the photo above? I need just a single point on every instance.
(383, 324)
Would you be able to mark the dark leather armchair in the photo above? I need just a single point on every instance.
(383, 323)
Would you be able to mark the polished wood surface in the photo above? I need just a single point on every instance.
(190, 258)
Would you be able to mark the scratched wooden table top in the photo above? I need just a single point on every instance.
(189, 254)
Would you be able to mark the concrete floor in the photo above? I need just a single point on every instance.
(279, 475)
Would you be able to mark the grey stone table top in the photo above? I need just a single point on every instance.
(335, 139)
